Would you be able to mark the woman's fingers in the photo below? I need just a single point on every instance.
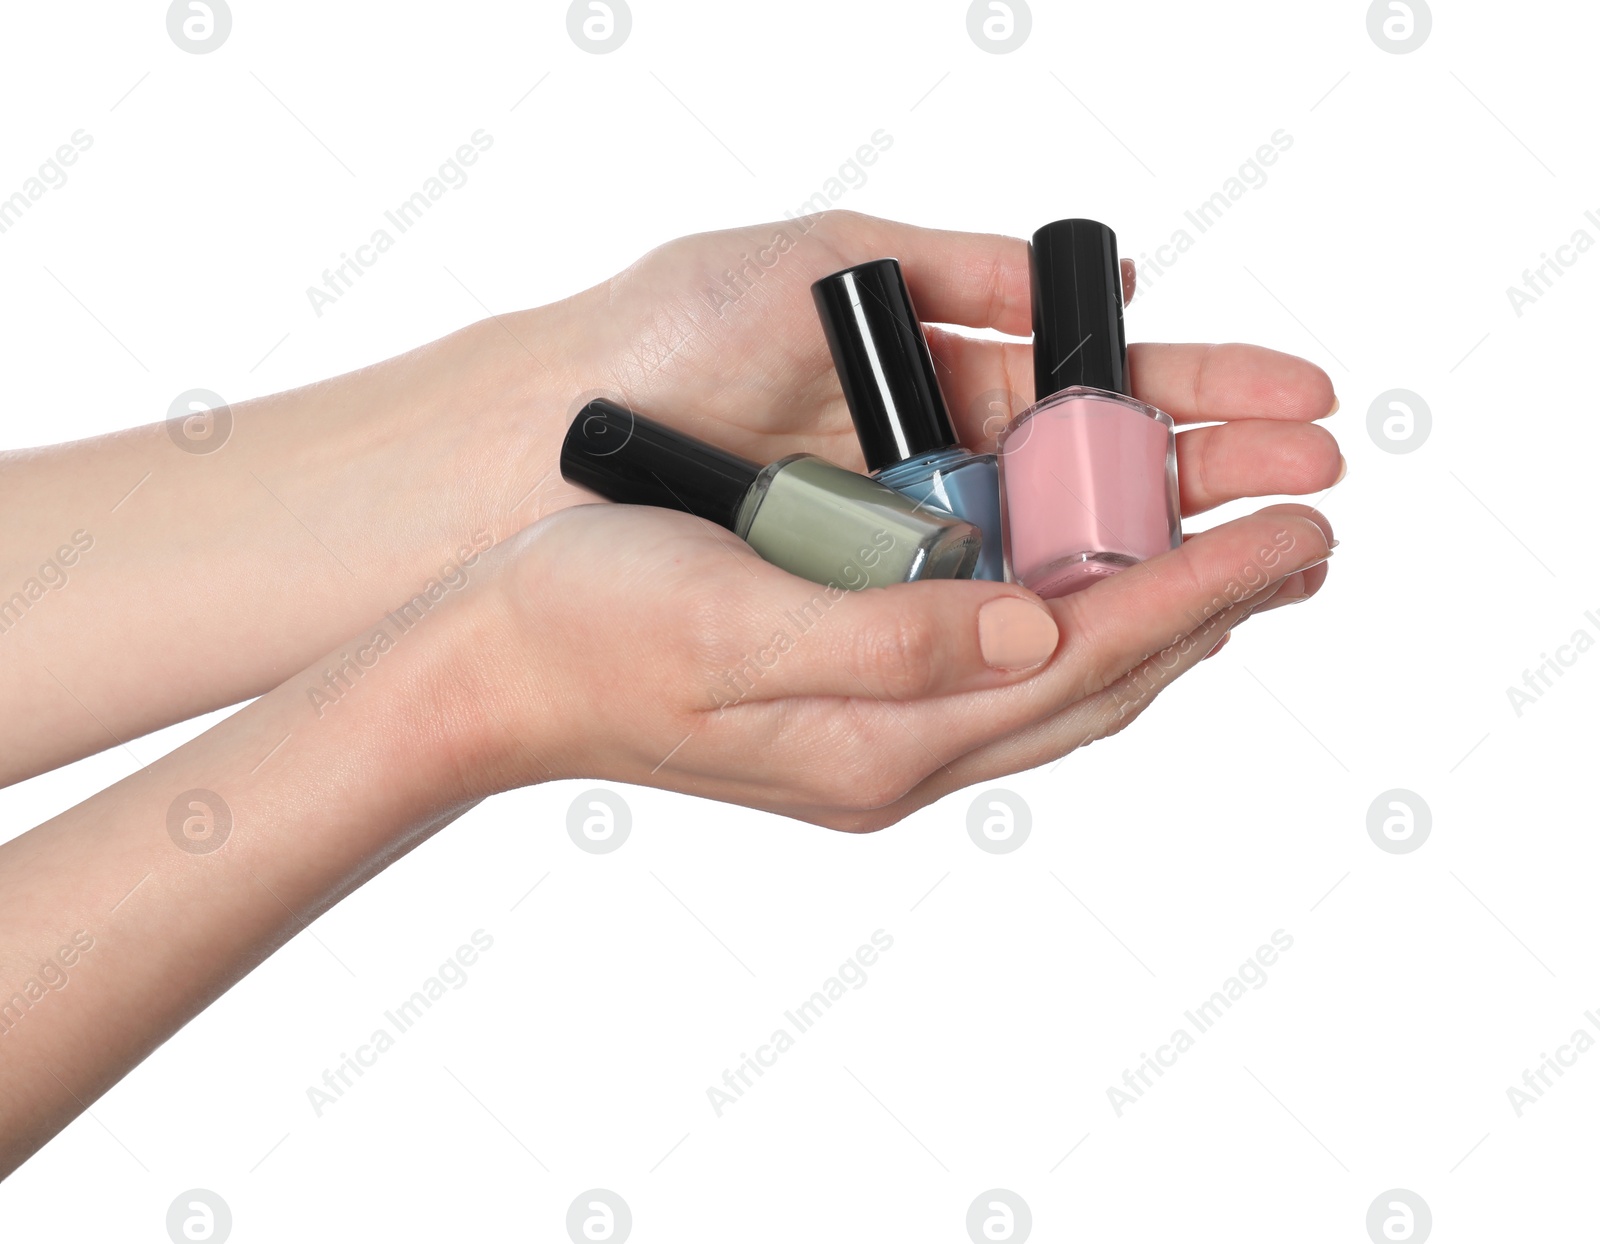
(1037, 739)
(1116, 625)
(985, 383)
(979, 280)
(909, 642)
(853, 704)
(1207, 383)
(976, 279)
(913, 643)
(1254, 458)
(1294, 589)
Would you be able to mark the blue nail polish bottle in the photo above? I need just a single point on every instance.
(960, 483)
(889, 382)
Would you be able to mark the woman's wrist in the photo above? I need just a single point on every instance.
(306, 515)
(464, 700)
(405, 456)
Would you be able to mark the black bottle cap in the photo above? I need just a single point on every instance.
(1077, 309)
(884, 363)
(627, 457)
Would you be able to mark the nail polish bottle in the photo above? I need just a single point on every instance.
(801, 513)
(1089, 477)
(887, 373)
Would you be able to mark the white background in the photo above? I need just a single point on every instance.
(1419, 987)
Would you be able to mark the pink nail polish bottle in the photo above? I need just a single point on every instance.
(1089, 477)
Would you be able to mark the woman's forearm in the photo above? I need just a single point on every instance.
(125, 916)
(151, 575)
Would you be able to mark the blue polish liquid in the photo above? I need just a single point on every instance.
(960, 483)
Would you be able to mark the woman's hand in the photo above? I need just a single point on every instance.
(717, 334)
(643, 646)
(602, 641)
(216, 570)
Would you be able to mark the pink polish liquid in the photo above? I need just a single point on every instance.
(1089, 479)
(1091, 488)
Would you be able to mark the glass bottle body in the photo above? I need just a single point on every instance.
(960, 483)
(842, 529)
(1089, 487)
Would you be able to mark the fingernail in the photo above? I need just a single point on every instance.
(1323, 533)
(1334, 409)
(1344, 467)
(1221, 644)
(1014, 634)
